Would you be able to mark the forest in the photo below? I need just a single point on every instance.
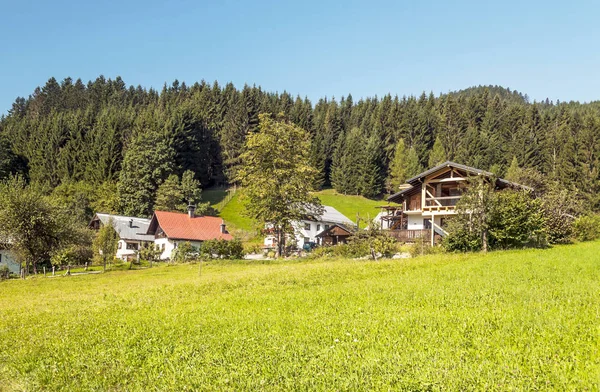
(105, 146)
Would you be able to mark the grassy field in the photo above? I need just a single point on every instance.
(350, 205)
(232, 210)
(524, 320)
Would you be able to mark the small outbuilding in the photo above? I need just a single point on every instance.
(336, 234)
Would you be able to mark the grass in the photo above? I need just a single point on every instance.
(232, 209)
(350, 205)
(517, 320)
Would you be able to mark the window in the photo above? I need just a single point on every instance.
(318, 227)
(326, 227)
(119, 245)
(307, 226)
(163, 247)
(306, 240)
(132, 246)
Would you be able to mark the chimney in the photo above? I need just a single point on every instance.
(130, 222)
(223, 230)
(191, 211)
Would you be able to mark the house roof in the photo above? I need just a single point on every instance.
(180, 226)
(414, 181)
(128, 227)
(336, 229)
(332, 215)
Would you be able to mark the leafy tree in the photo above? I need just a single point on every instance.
(277, 177)
(487, 219)
(106, 242)
(36, 227)
(150, 253)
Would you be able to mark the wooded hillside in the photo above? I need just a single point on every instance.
(104, 145)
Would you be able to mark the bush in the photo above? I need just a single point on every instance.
(587, 227)
(222, 249)
(508, 219)
(4, 272)
(422, 246)
(185, 252)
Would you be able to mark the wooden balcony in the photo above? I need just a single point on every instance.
(410, 235)
(439, 204)
(413, 235)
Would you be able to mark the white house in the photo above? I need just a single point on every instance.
(132, 233)
(169, 229)
(306, 230)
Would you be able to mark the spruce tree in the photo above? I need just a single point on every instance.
(438, 154)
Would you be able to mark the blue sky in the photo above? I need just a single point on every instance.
(312, 48)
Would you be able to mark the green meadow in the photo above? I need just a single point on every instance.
(231, 209)
(515, 320)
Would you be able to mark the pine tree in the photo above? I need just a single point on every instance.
(169, 196)
(398, 167)
(437, 155)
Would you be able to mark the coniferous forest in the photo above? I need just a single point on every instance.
(106, 146)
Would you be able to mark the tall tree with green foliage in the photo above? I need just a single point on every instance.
(437, 155)
(106, 242)
(34, 225)
(148, 162)
(277, 177)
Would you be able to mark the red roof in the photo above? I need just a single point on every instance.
(180, 226)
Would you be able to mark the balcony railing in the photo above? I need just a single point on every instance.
(441, 203)
(410, 235)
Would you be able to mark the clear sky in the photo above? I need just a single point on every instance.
(312, 48)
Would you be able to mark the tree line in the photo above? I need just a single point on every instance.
(106, 146)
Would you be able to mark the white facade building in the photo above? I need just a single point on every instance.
(305, 231)
(132, 233)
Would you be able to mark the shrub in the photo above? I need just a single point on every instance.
(222, 249)
(587, 227)
(489, 219)
(422, 246)
(185, 252)
(4, 272)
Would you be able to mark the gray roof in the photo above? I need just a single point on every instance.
(128, 227)
(332, 215)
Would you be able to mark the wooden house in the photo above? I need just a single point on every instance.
(336, 234)
(429, 198)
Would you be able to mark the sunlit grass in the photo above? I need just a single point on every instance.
(508, 320)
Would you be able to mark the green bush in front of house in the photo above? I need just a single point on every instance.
(222, 249)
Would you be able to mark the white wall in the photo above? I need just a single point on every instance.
(300, 232)
(415, 222)
(171, 245)
(123, 252)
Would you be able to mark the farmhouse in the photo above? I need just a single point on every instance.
(307, 229)
(429, 198)
(132, 233)
(169, 229)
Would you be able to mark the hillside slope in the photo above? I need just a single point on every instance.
(518, 320)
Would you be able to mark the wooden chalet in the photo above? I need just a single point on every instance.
(429, 198)
(336, 234)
